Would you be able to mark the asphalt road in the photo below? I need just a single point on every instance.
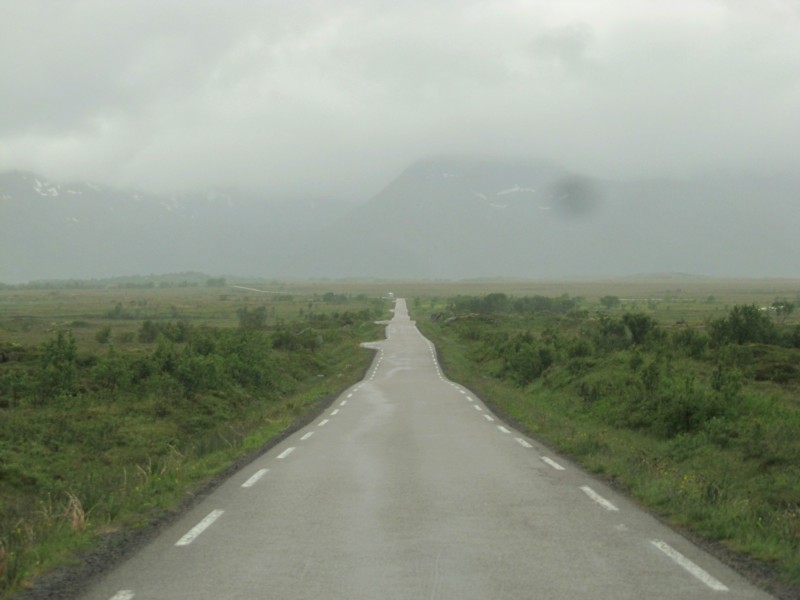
(408, 487)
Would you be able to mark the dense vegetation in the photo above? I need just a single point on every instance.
(110, 420)
(699, 420)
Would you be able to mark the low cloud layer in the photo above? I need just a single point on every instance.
(335, 98)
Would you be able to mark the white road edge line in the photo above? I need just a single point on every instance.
(523, 443)
(306, 436)
(123, 595)
(598, 498)
(195, 531)
(254, 479)
(712, 582)
(553, 463)
(286, 452)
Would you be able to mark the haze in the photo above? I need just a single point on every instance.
(334, 99)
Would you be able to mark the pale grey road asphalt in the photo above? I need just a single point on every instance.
(408, 487)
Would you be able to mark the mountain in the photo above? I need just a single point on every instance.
(446, 217)
(55, 230)
(464, 218)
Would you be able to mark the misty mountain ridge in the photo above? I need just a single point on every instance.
(442, 218)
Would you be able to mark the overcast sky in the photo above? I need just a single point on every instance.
(337, 97)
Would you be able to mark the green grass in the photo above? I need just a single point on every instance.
(104, 454)
(733, 476)
(98, 437)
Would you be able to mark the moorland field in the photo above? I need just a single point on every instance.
(120, 398)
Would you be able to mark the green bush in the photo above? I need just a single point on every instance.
(116, 436)
(58, 370)
(744, 324)
(702, 425)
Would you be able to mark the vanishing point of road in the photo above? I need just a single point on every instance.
(408, 487)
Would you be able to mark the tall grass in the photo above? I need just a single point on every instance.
(704, 431)
(98, 438)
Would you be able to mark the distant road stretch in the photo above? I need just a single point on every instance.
(408, 487)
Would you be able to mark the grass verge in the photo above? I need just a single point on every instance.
(100, 441)
(711, 449)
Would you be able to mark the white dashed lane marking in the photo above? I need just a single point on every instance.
(123, 595)
(306, 436)
(523, 443)
(553, 463)
(598, 498)
(254, 479)
(195, 531)
(712, 582)
(286, 452)
(503, 429)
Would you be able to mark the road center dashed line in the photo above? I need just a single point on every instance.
(286, 452)
(195, 531)
(523, 443)
(488, 417)
(701, 574)
(323, 422)
(503, 429)
(343, 402)
(598, 498)
(306, 436)
(123, 595)
(254, 479)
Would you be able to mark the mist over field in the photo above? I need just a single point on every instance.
(420, 139)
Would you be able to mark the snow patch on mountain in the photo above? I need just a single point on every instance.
(516, 190)
(44, 189)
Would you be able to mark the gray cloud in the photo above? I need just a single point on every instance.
(324, 97)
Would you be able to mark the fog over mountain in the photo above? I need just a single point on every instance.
(332, 98)
(445, 217)
(287, 138)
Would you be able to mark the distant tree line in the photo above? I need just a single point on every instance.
(499, 303)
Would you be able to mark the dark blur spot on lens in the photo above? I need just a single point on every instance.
(574, 197)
